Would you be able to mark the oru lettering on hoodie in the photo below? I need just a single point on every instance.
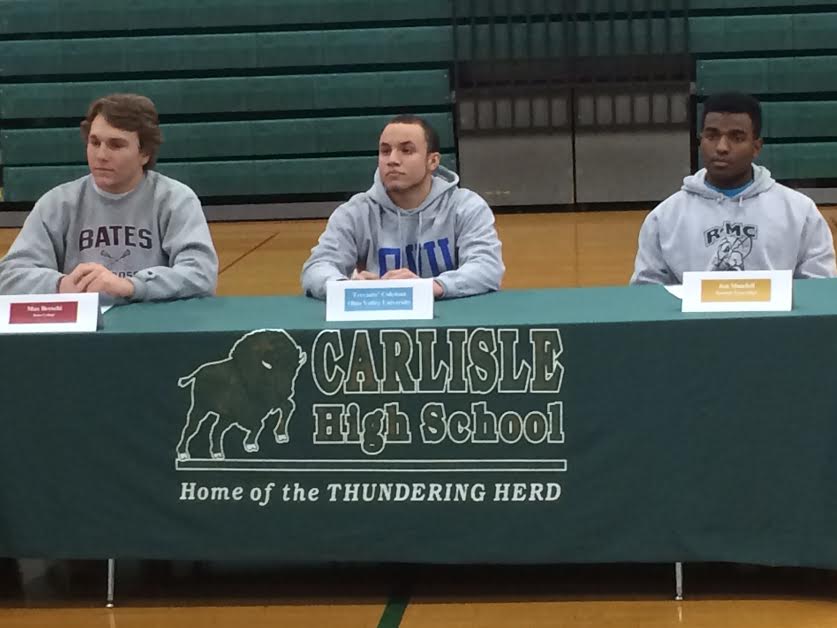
(766, 226)
(450, 237)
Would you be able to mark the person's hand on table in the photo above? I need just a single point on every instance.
(364, 274)
(91, 277)
(406, 273)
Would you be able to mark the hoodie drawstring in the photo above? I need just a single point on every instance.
(401, 239)
(418, 250)
(405, 260)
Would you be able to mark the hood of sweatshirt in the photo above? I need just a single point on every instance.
(696, 184)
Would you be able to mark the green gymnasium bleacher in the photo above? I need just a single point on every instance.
(278, 99)
(784, 52)
(257, 98)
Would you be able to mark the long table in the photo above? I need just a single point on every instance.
(580, 425)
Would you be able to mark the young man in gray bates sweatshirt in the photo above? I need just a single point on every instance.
(413, 222)
(124, 231)
(732, 215)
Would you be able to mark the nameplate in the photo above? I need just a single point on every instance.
(48, 313)
(379, 300)
(738, 291)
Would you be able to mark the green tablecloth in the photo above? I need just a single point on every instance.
(588, 425)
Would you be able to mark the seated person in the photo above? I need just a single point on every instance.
(413, 222)
(124, 231)
(732, 215)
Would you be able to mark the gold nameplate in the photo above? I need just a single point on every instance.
(725, 290)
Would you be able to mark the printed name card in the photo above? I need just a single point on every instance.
(48, 313)
(379, 300)
(738, 291)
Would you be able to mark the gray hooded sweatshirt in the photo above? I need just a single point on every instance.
(767, 226)
(450, 237)
(155, 235)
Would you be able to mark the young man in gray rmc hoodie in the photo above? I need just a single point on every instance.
(124, 231)
(732, 215)
(413, 222)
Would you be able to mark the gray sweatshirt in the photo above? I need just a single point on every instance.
(767, 226)
(155, 235)
(450, 237)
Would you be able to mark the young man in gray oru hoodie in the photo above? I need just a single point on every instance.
(413, 222)
(124, 231)
(732, 215)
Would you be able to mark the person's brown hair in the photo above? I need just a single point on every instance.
(129, 112)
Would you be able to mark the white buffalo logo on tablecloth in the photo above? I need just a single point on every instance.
(255, 382)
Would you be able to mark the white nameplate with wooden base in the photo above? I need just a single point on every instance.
(379, 300)
(48, 313)
(738, 291)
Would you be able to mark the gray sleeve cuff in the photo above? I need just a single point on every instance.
(139, 289)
